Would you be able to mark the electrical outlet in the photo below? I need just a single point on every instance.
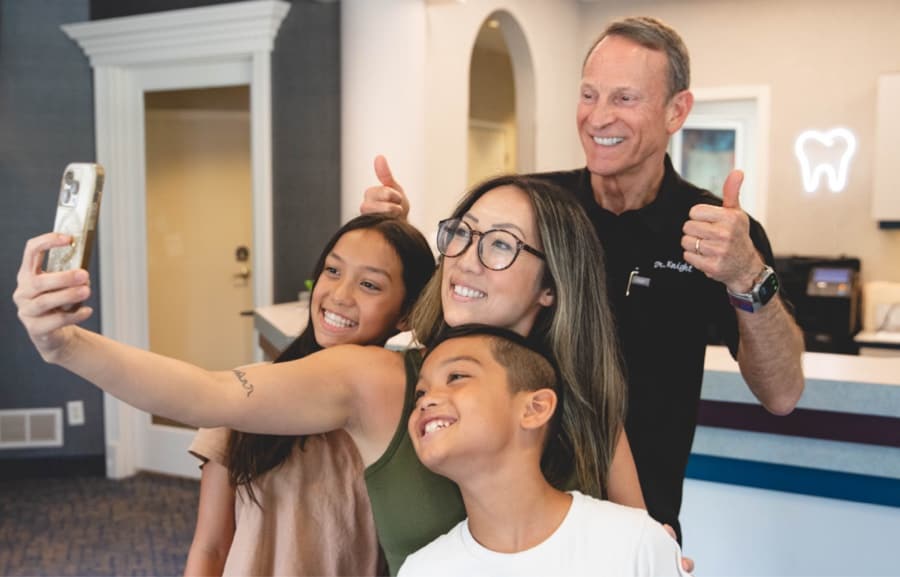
(75, 412)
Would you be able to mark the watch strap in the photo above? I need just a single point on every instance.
(743, 302)
(752, 301)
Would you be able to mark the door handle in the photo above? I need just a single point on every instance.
(243, 273)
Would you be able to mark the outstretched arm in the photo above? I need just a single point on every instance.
(215, 523)
(334, 388)
(717, 241)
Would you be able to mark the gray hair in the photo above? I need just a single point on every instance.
(655, 35)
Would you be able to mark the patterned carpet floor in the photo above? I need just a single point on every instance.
(95, 526)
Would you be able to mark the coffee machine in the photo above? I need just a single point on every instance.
(826, 294)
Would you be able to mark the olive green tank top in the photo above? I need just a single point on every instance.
(412, 506)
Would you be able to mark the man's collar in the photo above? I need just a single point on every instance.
(665, 214)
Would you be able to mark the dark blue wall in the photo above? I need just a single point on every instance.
(306, 117)
(46, 121)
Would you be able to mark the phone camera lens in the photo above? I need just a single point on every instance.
(69, 189)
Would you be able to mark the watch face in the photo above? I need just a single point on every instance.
(768, 288)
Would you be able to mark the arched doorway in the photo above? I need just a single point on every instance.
(501, 100)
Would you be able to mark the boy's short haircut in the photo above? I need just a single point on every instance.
(526, 369)
(528, 365)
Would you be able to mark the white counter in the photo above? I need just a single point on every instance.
(280, 324)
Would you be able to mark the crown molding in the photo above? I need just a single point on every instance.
(201, 33)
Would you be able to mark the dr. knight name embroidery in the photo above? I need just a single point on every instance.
(672, 265)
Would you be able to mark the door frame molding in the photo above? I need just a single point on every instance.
(181, 49)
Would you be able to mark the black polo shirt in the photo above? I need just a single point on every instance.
(664, 317)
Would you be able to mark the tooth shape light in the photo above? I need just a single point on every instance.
(816, 152)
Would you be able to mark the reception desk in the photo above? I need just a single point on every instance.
(842, 441)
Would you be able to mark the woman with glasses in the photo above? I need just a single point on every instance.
(518, 253)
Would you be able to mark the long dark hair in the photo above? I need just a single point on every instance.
(251, 455)
(577, 328)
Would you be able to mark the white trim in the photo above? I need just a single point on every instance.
(523, 79)
(157, 458)
(885, 180)
(234, 29)
(221, 45)
(187, 114)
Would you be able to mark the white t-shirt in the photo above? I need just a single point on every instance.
(596, 538)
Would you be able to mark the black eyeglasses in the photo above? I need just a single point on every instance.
(497, 248)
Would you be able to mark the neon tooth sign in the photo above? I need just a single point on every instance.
(825, 154)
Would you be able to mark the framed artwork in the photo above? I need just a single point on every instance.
(705, 150)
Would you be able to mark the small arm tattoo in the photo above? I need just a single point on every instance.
(242, 377)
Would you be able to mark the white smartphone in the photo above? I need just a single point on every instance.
(76, 215)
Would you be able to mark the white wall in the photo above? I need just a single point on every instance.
(733, 530)
(405, 87)
(452, 29)
(382, 98)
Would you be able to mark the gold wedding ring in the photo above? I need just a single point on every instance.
(697, 247)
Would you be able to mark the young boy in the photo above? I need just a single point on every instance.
(484, 411)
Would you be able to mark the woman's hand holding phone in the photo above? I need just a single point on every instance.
(43, 297)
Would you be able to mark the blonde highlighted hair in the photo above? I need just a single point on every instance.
(578, 329)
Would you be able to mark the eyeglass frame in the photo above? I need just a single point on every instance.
(520, 244)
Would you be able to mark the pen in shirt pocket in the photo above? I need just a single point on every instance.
(635, 278)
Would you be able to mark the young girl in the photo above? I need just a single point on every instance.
(530, 265)
(297, 505)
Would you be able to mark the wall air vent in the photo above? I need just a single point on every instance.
(30, 428)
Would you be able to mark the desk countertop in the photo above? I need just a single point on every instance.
(824, 366)
(280, 324)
